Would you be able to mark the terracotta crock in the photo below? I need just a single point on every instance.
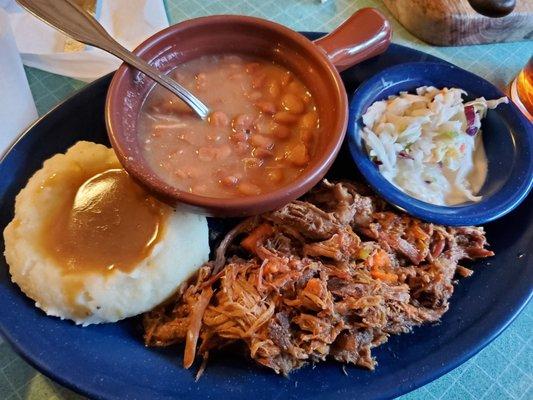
(365, 34)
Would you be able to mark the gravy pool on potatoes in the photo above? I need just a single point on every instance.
(106, 222)
(260, 136)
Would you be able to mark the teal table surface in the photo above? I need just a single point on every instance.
(503, 370)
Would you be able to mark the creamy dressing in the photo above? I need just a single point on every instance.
(475, 178)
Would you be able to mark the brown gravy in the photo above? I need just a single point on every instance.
(107, 222)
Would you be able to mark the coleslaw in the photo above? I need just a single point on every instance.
(429, 144)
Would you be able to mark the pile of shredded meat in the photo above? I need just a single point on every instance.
(331, 276)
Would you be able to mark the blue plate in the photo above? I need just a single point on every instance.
(507, 136)
(111, 362)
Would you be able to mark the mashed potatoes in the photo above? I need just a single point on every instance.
(94, 276)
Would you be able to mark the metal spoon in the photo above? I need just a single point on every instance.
(69, 18)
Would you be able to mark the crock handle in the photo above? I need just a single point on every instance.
(365, 34)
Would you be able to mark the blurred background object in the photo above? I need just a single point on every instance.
(493, 8)
(40, 46)
(522, 90)
(17, 108)
(90, 7)
(455, 22)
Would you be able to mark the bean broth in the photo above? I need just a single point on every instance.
(260, 136)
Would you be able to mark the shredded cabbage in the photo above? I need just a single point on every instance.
(429, 144)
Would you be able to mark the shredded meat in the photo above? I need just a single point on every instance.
(332, 276)
(306, 218)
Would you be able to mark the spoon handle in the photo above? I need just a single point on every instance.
(72, 20)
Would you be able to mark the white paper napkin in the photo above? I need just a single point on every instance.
(40, 46)
(17, 109)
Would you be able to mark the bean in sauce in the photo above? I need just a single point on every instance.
(260, 136)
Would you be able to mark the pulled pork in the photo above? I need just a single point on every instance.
(333, 275)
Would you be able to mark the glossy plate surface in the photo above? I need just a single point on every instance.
(110, 361)
(507, 138)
